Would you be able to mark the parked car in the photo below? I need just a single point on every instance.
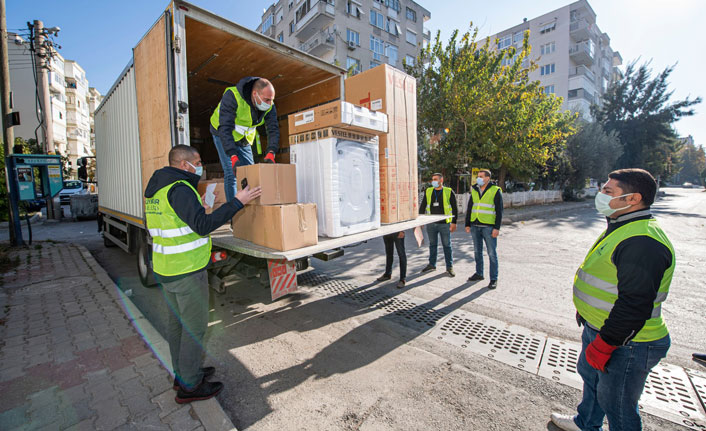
(71, 187)
(688, 185)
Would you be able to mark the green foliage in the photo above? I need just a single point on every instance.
(690, 164)
(475, 111)
(591, 153)
(638, 108)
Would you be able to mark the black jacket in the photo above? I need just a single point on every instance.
(641, 262)
(226, 119)
(186, 205)
(439, 209)
(498, 201)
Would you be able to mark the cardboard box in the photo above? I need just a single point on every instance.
(338, 114)
(280, 227)
(215, 189)
(393, 92)
(278, 182)
(331, 132)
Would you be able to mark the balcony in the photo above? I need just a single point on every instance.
(426, 33)
(583, 53)
(582, 71)
(581, 29)
(319, 44)
(581, 93)
(320, 14)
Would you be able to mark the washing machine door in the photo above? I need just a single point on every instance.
(356, 176)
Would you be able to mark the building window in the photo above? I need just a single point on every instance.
(547, 69)
(549, 89)
(394, 5)
(377, 19)
(374, 63)
(548, 48)
(353, 36)
(280, 16)
(353, 10)
(291, 27)
(393, 28)
(411, 37)
(303, 10)
(411, 15)
(377, 47)
(517, 37)
(504, 42)
(546, 28)
(290, 4)
(409, 60)
(267, 23)
(280, 37)
(391, 53)
(353, 65)
(61, 115)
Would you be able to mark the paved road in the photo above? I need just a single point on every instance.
(315, 361)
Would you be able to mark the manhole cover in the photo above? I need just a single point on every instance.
(53, 285)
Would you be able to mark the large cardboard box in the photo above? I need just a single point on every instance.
(391, 91)
(338, 114)
(278, 182)
(212, 192)
(280, 227)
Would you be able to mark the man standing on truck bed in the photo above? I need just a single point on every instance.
(181, 252)
(234, 126)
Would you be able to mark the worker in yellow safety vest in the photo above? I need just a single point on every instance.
(619, 292)
(438, 199)
(234, 122)
(181, 253)
(484, 215)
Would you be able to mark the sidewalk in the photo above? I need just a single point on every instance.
(70, 357)
(516, 214)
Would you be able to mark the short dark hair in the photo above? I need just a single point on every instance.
(636, 180)
(181, 152)
(260, 84)
(437, 175)
(485, 171)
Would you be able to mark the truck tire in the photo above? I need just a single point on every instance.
(144, 263)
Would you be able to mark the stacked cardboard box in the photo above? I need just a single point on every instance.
(274, 220)
(393, 92)
(213, 194)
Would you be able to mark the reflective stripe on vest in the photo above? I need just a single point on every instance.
(596, 281)
(483, 208)
(176, 248)
(446, 197)
(243, 127)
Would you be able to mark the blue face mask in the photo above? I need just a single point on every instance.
(198, 169)
(435, 184)
(480, 181)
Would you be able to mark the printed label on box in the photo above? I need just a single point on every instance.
(376, 105)
(306, 117)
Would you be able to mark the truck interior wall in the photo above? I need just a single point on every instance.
(217, 59)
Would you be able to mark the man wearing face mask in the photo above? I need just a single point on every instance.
(440, 200)
(181, 253)
(234, 126)
(484, 215)
(618, 293)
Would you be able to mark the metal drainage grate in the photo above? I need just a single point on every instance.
(668, 394)
(423, 315)
(559, 363)
(698, 381)
(512, 345)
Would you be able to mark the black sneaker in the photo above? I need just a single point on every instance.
(493, 284)
(203, 391)
(451, 272)
(400, 284)
(207, 372)
(428, 268)
(476, 277)
(699, 357)
(384, 277)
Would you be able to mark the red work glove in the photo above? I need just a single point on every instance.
(233, 160)
(270, 157)
(598, 353)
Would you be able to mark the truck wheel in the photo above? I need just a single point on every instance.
(144, 263)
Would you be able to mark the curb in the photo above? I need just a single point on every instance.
(210, 412)
(32, 220)
(544, 212)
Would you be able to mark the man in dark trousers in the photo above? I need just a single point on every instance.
(234, 126)
(440, 200)
(395, 240)
(484, 215)
(181, 253)
(619, 290)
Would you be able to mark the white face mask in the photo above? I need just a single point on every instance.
(198, 169)
(261, 105)
(480, 181)
(435, 184)
(603, 204)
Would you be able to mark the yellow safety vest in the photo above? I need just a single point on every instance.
(244, 127)
(483, 208)
(447, 202)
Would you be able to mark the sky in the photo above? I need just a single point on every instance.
(100, 34)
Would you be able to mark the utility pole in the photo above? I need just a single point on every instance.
(43, 54)
(8, 134)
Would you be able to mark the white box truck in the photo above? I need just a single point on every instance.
(165, 97)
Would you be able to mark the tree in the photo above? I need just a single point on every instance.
(478, 108)
(690, 163)
(638, 108)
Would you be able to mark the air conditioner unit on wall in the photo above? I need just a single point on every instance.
(351, 45)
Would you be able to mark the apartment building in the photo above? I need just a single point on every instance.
(57, 88)
(78, 126)
(94, 100)
(354, 34)
(574, 56)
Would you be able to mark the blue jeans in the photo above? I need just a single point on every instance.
(245, 157)
(435, 230)
(481, 234)
(616, 392)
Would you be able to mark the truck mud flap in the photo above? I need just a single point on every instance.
(283, 277)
